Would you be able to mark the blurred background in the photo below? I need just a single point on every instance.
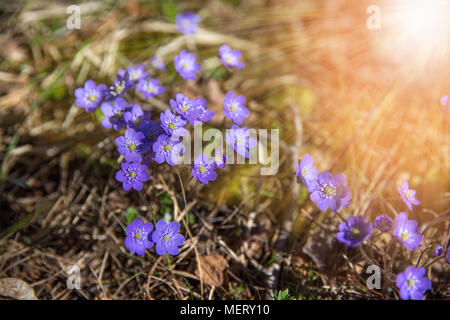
(358, 89)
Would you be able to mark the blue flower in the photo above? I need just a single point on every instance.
(114, 114)
(220, 158)
(173, 125)
(230, 58)
(90, 96)
(204, 169)
(150, 88)
(203, 114)
(135, 73)
(234, 108)
(151, 129)
(167, 238)
(408, 195)
(406, 232)
(134, 115)
(306, 172)
(354, 231)
(121, 85)
(438, 250)
(137, 239)
(240, 139)
(444, 100)
(187, 22)
(331, 191)
(447, 255)
(132, 175)
(168, 150)
(413, 283)
(187, 108)
(383, 223)
(156, 62)
(186, 65)
(132, 144)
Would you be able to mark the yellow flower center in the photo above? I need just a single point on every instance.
(171, 126)
(304, 171)
(138, 236)
(132, 147)
(149, 89)
(356, 232)
(167, 147)
(184, 107)
(133, 174)
(329, 190)
(410, 282)
(166, 238)
(91, 97)
(404, 236)
(202, 169)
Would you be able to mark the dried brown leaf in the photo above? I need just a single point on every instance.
(212, 267)
(17, 289)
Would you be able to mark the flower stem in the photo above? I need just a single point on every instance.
(168, 261)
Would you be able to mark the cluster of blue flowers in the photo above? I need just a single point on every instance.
(326, 190)
(145, 140)
(140, 236)
(330, 192)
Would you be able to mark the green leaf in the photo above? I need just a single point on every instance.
(284, 295)
(165, 199)
(131, 214)
(169, 9)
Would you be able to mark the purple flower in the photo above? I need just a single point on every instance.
(330, 191)
(114, 114)
(408, 195)
(306, 172)
(203, 114)
(173, 125)
(438, 251)
(185, 107)
(167, 238)
(406, 231)
(120, 86)
(240, 139)
(220, 158)
(444, 101)
(132, 175)
(383, 223)
(413, 283)
(135, 73)
(204, 169)
(132, 144)
(186, 65)
(234, 108)
(151, 129)
(156, 62)
(150, 88)
(354, 231)
(167, 149)
(230, 58)
(187, 22)
(137, 239)
(91, 96)
(133, 115)
(447, 255)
